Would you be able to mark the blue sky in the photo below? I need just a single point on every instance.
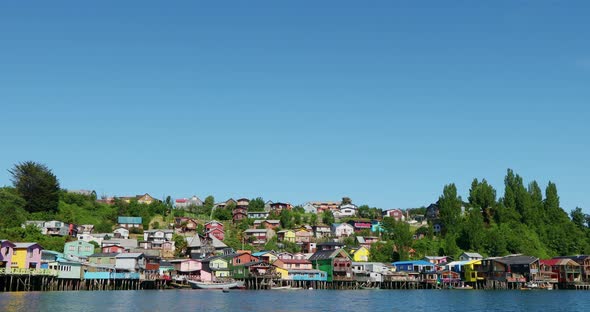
(297, 101)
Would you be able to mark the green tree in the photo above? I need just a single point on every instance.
(180, 245)
(286, 218)
(11, 208)
(37, 185)
(256, 204)
(313, 220)
(364, 211)
(450, 208)
(327, 217)
(400, 233)
(483, 196)
(578, 217)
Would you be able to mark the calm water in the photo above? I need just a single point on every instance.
(297, 300)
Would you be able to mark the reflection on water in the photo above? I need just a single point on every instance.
(297, 300)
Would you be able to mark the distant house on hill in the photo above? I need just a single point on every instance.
(183, 203)
(130, 222)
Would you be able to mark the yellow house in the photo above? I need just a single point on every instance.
(27, 256)
(360, 254)
(284, 273)
(286, 236)
(471, 273)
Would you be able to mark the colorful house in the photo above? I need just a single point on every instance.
(220, 266)
(67, 269)
(286, 236)
(130, 222)
(471, 271)
(78, 249)
(336, 263)
(396, 214)
(266, 256)
(563, 271)
(360, 225)
(27, 256)
(584, 262)
(258, 236)
(360, 254)
(6, 252)
(436, 260)
(303, 235)
(511, 269)
(418, 266)
(215, 228)
(102, 260)
(267, 224)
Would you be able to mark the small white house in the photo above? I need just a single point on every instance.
(131, 262)
(121, 233)
(347, 210)
(310, 208)
(342, 230)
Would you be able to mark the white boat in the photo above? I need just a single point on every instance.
(286, 288)
(215, 285)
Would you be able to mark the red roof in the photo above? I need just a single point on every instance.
(549, 262)
(181, 200)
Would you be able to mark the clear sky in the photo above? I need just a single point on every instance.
(382, 101)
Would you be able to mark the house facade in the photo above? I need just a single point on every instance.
(78, 249)
(346, 210)
(215, 228)
(258, 214)
(396, 214)
(6, 252)
(286, 236)
(336, 263)
(340, 230)
(130, 222)
(26, 256)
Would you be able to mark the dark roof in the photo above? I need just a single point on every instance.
(511, 260)
(323, 255)
(330, 244)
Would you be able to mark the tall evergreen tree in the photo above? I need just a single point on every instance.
(450, 208)
(37, 185)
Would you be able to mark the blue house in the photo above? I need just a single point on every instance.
(418, 266)
(130, 222)
(308, 275)
(376, 226)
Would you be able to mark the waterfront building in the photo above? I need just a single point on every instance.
(6, 253)
(360, 254)
(26, 256)
(335, 262)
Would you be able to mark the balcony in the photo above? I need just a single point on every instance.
(35, 272)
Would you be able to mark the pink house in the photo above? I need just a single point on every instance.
(6, 251)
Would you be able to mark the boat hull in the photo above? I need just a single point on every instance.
(209, 285)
